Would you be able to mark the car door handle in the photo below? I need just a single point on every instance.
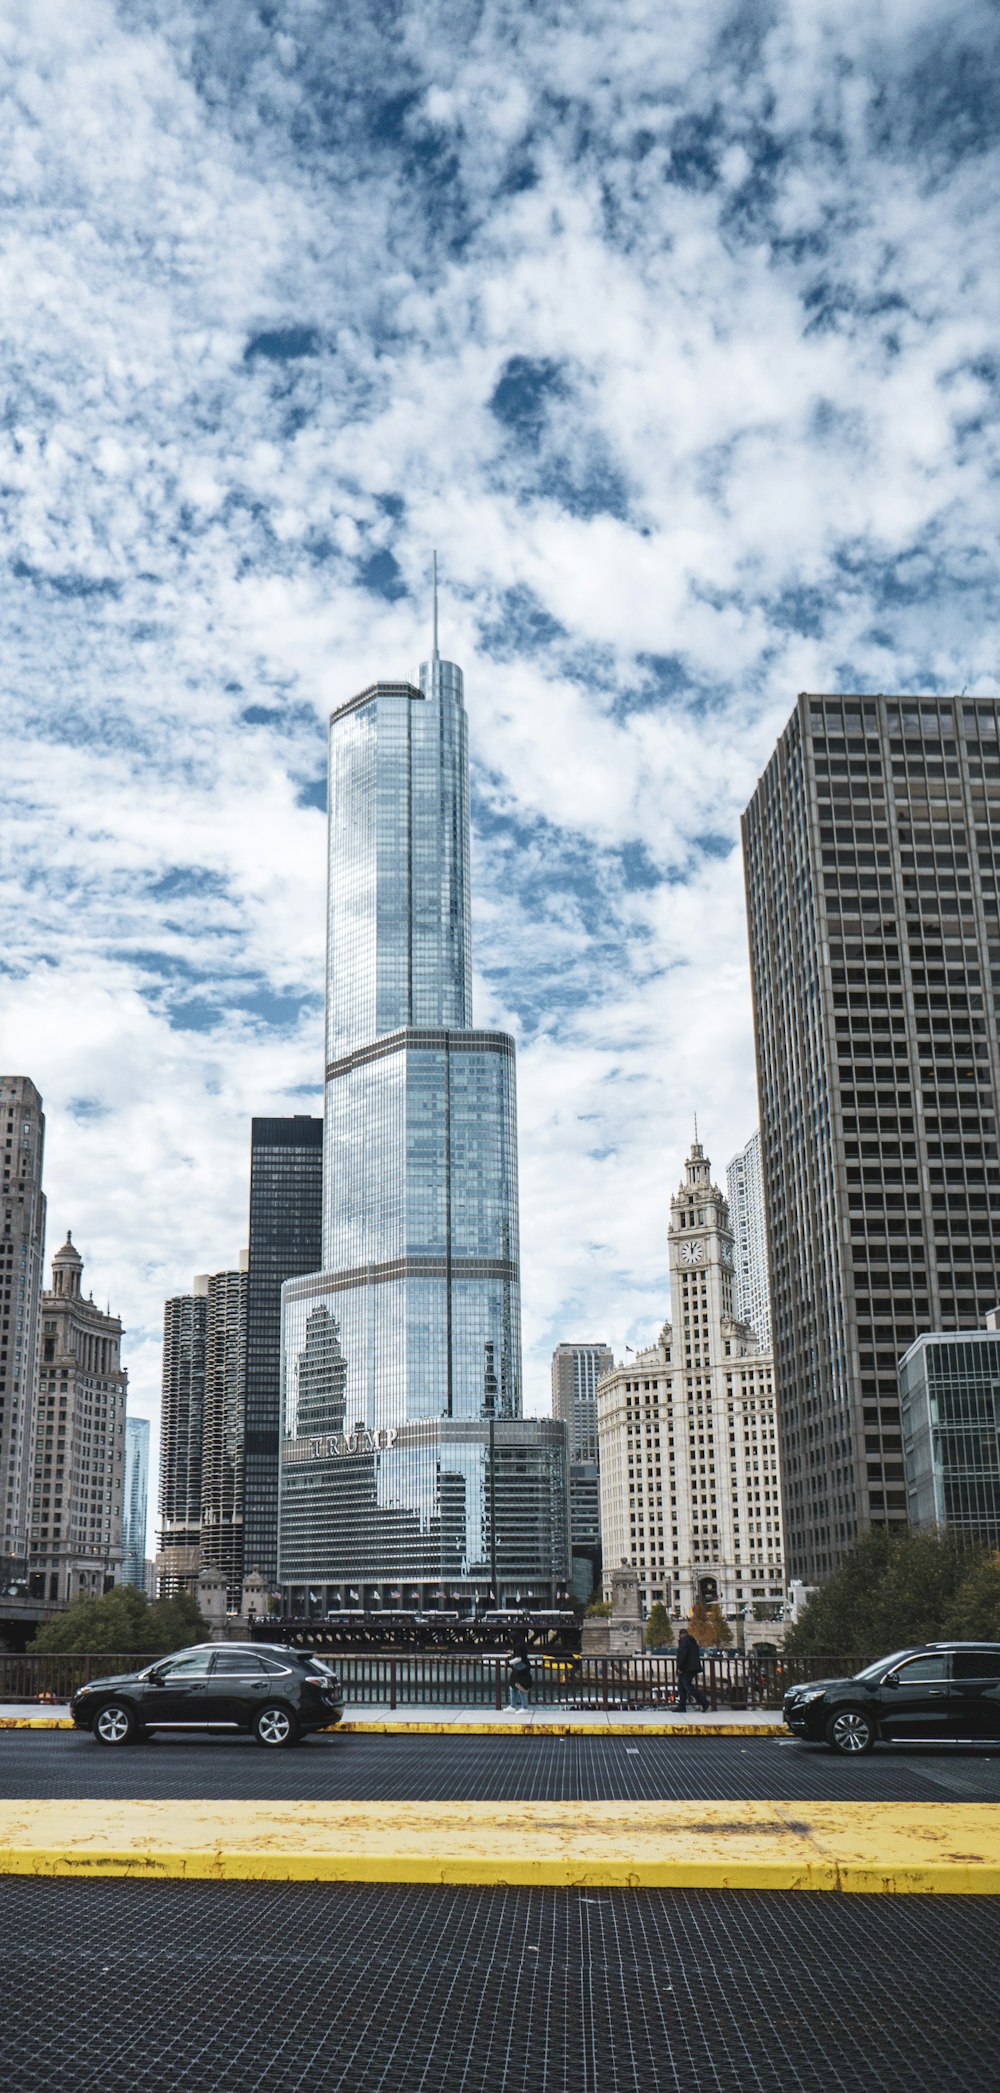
(937, 1693)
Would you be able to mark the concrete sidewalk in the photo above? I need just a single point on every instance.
(486, 1722)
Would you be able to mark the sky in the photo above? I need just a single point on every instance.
(674, 328)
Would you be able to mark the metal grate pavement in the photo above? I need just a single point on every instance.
(444, 1769)
(202, 1988)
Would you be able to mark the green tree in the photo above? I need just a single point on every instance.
(975, 1613)
(835, 1622)
(124, 1620)
(599, 1610)
(659, 1628)
(721, 1634)
(888, 1592)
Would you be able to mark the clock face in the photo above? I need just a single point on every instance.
(692, 1253)
(727, 1252)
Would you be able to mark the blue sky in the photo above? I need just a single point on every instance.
(674, 328)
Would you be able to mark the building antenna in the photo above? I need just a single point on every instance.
(434, 569)
(696, 1129)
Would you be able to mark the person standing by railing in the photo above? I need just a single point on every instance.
(689, 1664)
(519, 1679)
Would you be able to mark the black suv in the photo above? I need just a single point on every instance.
(279, 1694)
(940, 1692)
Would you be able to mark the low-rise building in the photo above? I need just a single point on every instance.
(690, 1486)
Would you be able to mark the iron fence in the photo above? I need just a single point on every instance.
(733, 1679)
(55, 1674)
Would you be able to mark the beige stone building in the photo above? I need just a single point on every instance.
(690, 1490)
(79, 1440)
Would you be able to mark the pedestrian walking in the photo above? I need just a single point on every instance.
(689, 1664)
(518, 1679)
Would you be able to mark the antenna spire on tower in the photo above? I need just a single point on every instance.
(434, 569)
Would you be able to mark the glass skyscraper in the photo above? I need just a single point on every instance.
(401, 1359)
(135, 1506)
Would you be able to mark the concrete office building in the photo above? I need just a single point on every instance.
(22, 1248)
(286, 1204)
(134, 1509)
(950, 1400)
(872, 855)
(401, 1357)
(221, 1536)
(576, 1371)
(182, 1404)
(748, 1216)
(690, 1487)
(201, 1427)
(79, 1440)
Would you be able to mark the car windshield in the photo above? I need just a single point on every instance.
(881, 1664)
(315, 1664)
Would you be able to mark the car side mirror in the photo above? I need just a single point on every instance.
(156, 1676)
(891, 1679)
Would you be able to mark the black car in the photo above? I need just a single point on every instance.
(279, 1694)
(939, 1692)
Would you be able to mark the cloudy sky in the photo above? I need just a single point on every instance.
(674, 327)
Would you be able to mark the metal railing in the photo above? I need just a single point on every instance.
(58, 1673)
(732, 1680)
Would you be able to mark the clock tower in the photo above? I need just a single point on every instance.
(700, 1242)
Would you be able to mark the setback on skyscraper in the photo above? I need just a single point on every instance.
(408, 1477)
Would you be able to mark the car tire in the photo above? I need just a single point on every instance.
(114, 1723)
(276, 1727)
(851, 1731)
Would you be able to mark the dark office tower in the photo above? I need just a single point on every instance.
(22, 1245)
(221, 1541)
(872, 890)
(286, 1202)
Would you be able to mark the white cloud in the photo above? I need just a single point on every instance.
(261, 284)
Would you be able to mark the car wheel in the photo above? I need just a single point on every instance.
(851, 1731)
(114, 1724)
(276, 1727)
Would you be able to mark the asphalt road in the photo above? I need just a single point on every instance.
(43, 1764)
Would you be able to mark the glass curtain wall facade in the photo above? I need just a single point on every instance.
(751, 1282)
(950, 1396)
(134, 1511)
(286, 1193)
(412, 1327)
(872, 857)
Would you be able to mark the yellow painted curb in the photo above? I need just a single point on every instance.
(610, 1727)
(35, 1722)
(951, 1848)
